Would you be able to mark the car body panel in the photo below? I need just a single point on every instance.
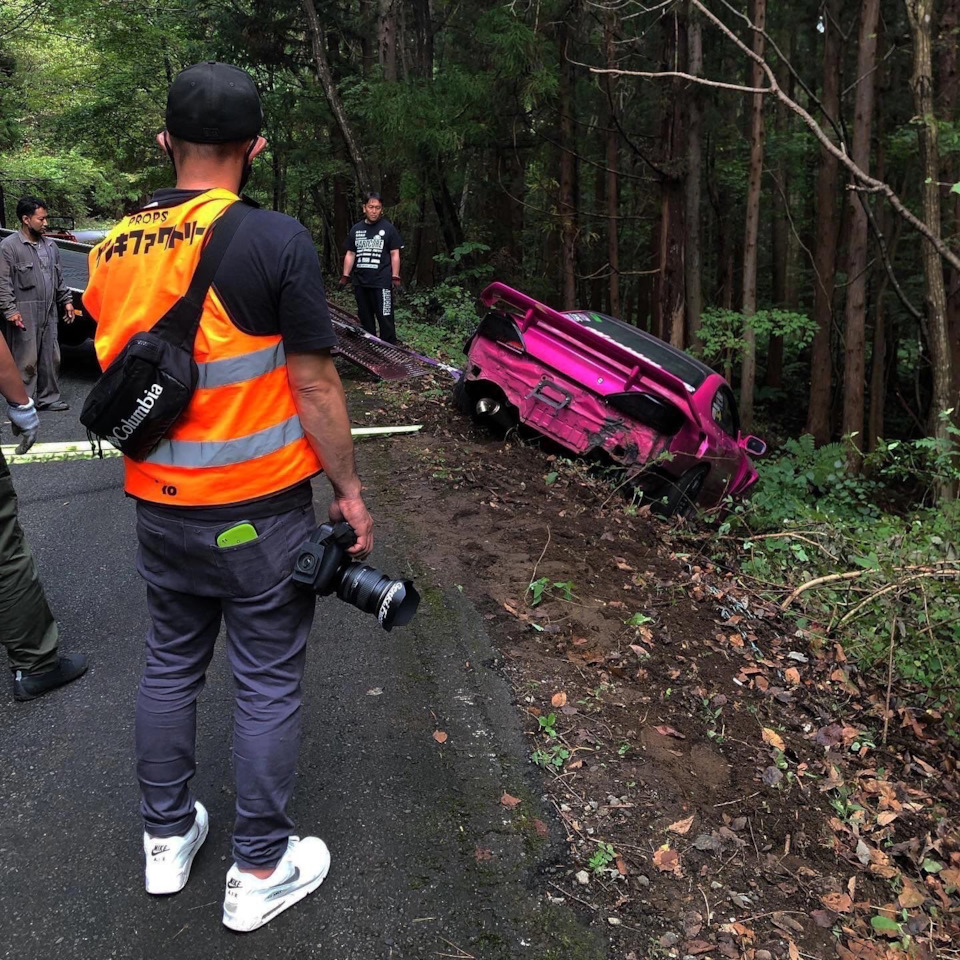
(591, 383)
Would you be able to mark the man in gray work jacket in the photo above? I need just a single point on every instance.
(32, 298)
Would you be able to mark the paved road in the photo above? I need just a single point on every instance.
(403, 816)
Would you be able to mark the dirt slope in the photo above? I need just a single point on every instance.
(719, 785)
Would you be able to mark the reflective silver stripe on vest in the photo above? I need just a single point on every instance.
(212, 453)
(220, 373)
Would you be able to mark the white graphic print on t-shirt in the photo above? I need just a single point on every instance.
(369, 249)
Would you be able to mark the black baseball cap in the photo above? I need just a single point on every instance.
(213, 102)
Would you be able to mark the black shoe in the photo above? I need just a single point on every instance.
(58, 406)
(29, 686)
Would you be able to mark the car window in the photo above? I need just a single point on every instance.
(724, 410)
(674, 361)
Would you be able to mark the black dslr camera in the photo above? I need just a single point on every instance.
(324, 565)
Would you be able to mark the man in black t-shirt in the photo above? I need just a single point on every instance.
(372, 260)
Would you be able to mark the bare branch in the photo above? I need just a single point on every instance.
(682, 76)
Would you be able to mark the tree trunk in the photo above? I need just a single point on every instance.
(613, 186)
(598, 270)
(949, 81)
(691, 197)
(920, 13)
(387, 38)
(667, 306)
(423, 26)
(567, 199)
(341, 215)
(825, 248)
(324, 75)
(748, 371)
(854, 358)
(779, 224)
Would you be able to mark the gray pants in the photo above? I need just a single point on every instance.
(191, 584)
(36, 351)
(27, 627)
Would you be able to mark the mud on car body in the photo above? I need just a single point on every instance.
(592, 384)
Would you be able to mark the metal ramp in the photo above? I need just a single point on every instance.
(384, 360)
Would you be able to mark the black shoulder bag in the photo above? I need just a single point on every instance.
(146, 388)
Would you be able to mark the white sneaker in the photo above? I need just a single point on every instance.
(249, 902)
(169, 859)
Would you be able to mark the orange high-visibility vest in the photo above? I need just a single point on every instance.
(240, 438)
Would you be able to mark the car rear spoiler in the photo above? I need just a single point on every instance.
(533, 313)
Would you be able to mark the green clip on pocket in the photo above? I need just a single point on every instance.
(242, 532)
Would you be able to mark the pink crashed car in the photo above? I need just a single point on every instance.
(592, 383)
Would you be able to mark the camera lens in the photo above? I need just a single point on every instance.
(393, 602)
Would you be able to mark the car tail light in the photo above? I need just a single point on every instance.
(501, 328)
(649, 410)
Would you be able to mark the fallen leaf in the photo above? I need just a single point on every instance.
(621, 866)
(706, 842)
(792, 950)
(682, 826)
(786, 923)
(772, 776)
(542, 829)
(911, 896)
(951, 876)
(838, 902)
(695, 947)
(824, 919)
(509, 801)
(439, 736)
(886, 818)
(666, 731)
(481, 854)
(559, 699)
(773, 739)
(667, 860)
(792, 675)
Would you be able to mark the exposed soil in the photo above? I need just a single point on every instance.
(719, 783)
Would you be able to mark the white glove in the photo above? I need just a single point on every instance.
(26, 422)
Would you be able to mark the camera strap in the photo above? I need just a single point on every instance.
(180, 324)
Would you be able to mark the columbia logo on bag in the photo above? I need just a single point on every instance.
(125, 430)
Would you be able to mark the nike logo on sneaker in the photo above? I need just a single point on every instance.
(233, 884)
(156, 851)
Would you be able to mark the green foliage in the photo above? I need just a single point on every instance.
(542, 588)
(550, 757)
(438, 319)
(810, 517)
(602, 857)
(71, 184)
(722, 331)
(548, 725)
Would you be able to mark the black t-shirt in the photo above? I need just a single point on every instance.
(372, 243)
(270, 283)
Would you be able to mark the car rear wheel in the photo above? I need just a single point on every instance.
(485, 403)
(678, 498)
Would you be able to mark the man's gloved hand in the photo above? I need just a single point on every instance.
(26, 424)
(397, 285)
(343, 281)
